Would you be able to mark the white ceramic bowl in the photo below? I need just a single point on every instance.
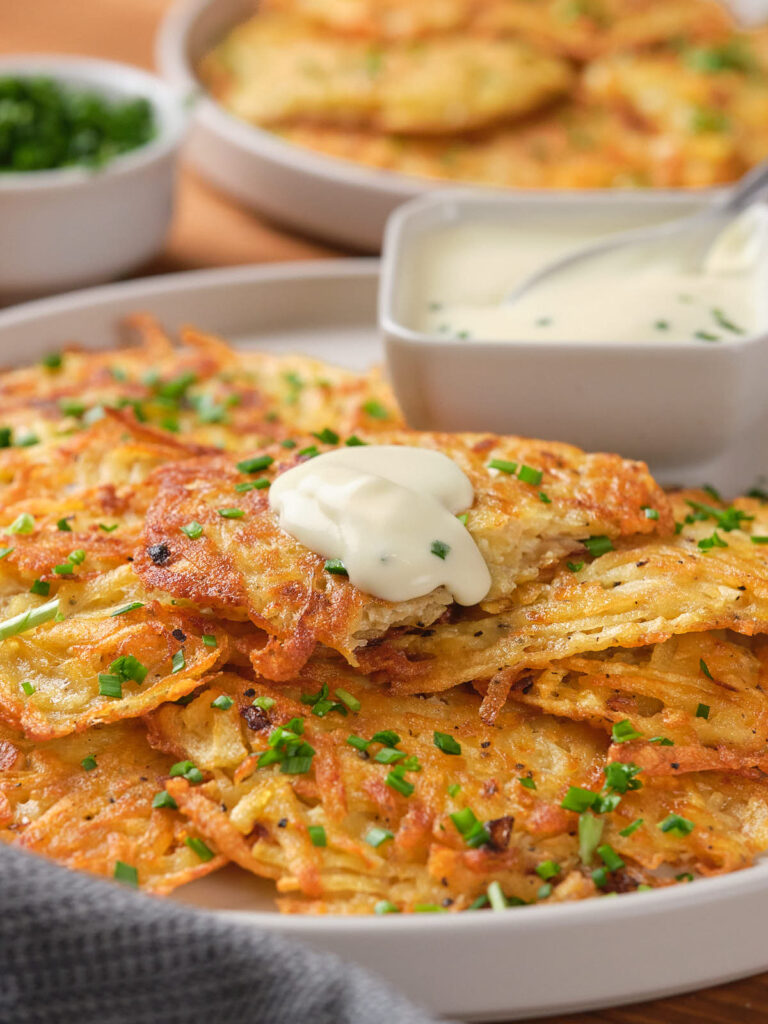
(694, 412)
(72, 226)
(319, 195)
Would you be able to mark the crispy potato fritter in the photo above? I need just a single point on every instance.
(182, 688)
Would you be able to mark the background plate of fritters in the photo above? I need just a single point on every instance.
(367, 117)
(530, 961)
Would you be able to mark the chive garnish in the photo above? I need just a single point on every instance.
(88, 763)
(186, 770)
(178, 662)
(597, 546)
(40, 587)
(126, 874)
(631, 828)
(624, 731)
(201, 848)
(127, 608)
(610, 858)
(529, 475)
(548, 869)
(677, 824)
(231, 513)
(472, 830)
(110, 685)
(24, 523)
(222, 702)
(375, 836)
(503, 465)
(575, 566)
(527, 781)
(590, 834)
(28, 688)
(702, 711)
(446, 743)
(209, 640)
(193, 530)
(164, 799)
(327, 436)
(29, 619)
(347, 698)
(396, 781)
(335, 566)
(440, 548)
(375, 410)
(317, 835)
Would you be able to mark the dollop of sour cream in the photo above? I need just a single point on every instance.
(388, 513)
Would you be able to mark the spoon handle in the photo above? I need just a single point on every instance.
(746, 190)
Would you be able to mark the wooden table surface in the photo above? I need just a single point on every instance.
(209, 230)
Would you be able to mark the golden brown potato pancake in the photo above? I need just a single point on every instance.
(401, 845)
(86, 802)
(249, 567)
(275, 69)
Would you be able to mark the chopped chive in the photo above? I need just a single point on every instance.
(529, 475)
(545, 498)
(63, 525)
(395, 781)
(472, 831)
(89, 763)
(346, 698)
(256, 464)
(548, 869)
(164, 799)
(40, 587)
(64, 569)
(231, 513)
(661, 325)
(527, 781)
(28, 688)
(503, 465)
(479, 903)
(633, 827)
(575, 566)
(387, 736)
(178, 662)
(386, 907)
(209, 640)
(597, 546)
(353, 441)
(327, 436)
(24, 523)
(389, 755)
(545, 891)
(725, 323)
(715, 541)
(29, 619)
(446, 743)
(662, 741)
(4, 552)
(193, 530)
(288, 443)
(108, 529)
(52, 361)
(758, 540)
(496, 897)
(706, 336)
(590, 834)
(375, 836)
(375, 410)
(704, 669)
(186, 770)
(357, 742)
(702, 711)
(440, 548)
(677, 824)
(686, 876)
(335, 566)
(454, 789)
(624, 731)
(463, 518)
(310, 452)
(578, 799)
(610, 858)
(110, 685)
(264, 703)
(317, 835)
(600, 877)
(650, 513)
(252, 485)
(222, 702)
(201, 848)
(127, 608)
(126, 874)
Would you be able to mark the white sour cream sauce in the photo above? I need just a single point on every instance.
(383, 510)
(661, 293)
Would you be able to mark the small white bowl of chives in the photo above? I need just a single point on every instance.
(93, 199)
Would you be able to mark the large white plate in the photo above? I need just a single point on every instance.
(529, 961)
(315, 194)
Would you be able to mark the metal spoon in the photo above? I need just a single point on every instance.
(699, 229)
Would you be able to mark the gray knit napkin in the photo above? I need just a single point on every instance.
(79, 950)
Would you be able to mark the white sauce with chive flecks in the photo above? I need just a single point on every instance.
(388, 513)
(665, 292)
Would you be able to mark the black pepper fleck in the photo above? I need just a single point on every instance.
(159, 553)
